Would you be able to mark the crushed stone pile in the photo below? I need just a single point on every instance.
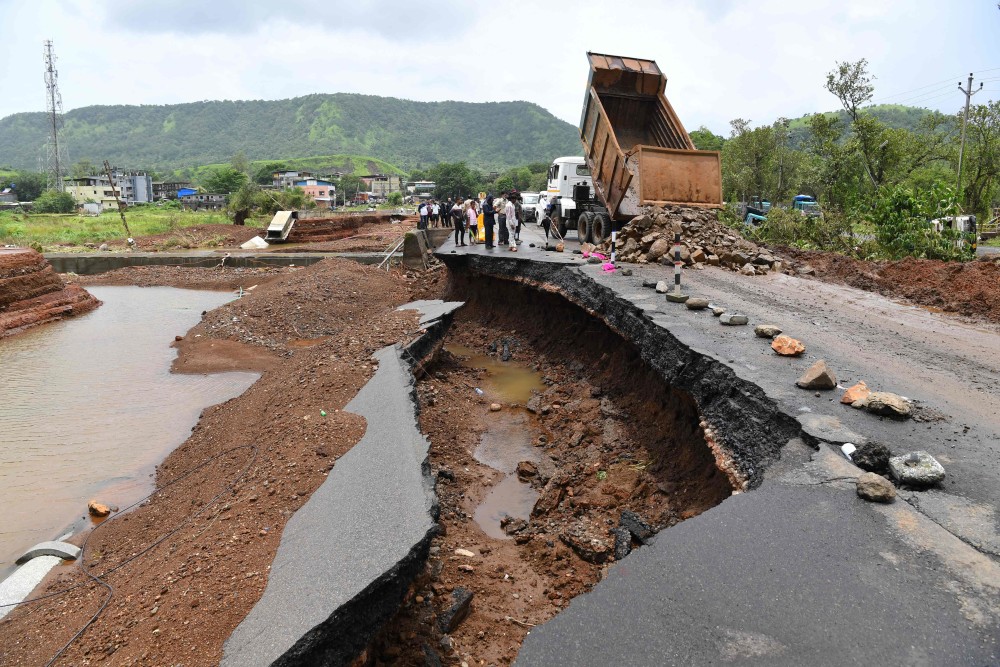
(649, 238)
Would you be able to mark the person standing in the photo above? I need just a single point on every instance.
(458, 222)
(423, 215)
(500, 205)
(473, 217)
(446, 213)
(489, 220)
(436, 214)
(519, 212)
(511, 218)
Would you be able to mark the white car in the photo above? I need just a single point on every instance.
(529, 206)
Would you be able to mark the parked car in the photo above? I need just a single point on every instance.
(529, 206)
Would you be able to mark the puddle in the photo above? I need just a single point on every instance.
(507, 382)
(90, 407)
(508, 440)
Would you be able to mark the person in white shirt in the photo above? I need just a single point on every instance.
(511, 213)
(423, 216)
(436, 214)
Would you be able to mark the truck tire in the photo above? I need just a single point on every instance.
(600, 228)
(584, 223)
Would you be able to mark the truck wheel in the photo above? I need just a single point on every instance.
(583, 226)
(600, 227)
(559, 224)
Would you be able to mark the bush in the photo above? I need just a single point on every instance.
(830, 231)
(52, 201)
(902, 220)
(395, 199)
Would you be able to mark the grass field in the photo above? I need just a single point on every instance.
(48, 230)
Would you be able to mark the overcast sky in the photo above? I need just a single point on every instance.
(724, 59)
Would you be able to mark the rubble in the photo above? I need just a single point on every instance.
(767, 330)
(649, 237)
(818, 376)
(857, 392)
(873, 457)
(787, 346)
(885, 404)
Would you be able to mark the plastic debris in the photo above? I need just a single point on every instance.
(848, 448)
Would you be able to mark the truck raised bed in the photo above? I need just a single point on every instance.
(636, 153)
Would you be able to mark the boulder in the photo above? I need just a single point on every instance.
(733, 319)
(698, 256)
(787, 346)
(98, 509)
(717, 310)
(748, 270)
(916, 469)
(526, 470)
(817, 376)
(674, 297)
(658, 249)
(873, 457)
(696, 304)
(767, 330)
(582, 538)
(662, 287)
(875, 488)
(887, 404)
(856, 393)
(713, 260)
(806, 271)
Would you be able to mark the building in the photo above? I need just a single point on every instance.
(94, 189)
(168, 189)
(380, 185)
(324, 193)
(207, 201)
(134, 187)
(422, 189)
(8, 196)
(287, 179)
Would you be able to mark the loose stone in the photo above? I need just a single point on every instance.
(677, 298)
(766, 330)
(733, 319)
(887, 404)
(856, 393)
(818, 376)
(787, 346)
(662, 287)
(875, 488)
(916, 469)
(697, 304)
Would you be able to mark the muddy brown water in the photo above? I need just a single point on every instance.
(89, 408)
(508, 440)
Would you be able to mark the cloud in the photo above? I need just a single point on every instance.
(394, 19)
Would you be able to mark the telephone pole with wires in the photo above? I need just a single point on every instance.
(969, 92)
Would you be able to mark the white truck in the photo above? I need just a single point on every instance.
(566, 174)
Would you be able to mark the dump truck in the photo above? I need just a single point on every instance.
(636, 151)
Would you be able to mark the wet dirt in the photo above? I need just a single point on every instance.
(960, 288)
(591, 442)
(178, 602)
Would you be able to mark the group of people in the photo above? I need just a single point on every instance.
(463, 214)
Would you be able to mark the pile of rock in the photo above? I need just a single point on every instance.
(649, 238)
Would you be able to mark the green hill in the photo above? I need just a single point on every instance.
(492, 135)
(895, 116)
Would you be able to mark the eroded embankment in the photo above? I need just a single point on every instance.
(746, 428)
(600, 456)
(31, 293)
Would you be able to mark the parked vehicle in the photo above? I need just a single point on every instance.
(637, 153)
(806, 205)
(964, 224)
(529, 206)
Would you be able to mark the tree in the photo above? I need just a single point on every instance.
(224, 180)
(395, 198)
(53, 201)
(982, 158)
(705, 140)
(243, 202)
(454, 179)
(240, 163)
(28, 185)
(264, 173)
(83, 169)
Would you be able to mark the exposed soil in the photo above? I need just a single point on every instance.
(607, 437)
(217, 278)
(31, 293)
(971, 289)
(185, 238)
(255, 460)
(347, 233)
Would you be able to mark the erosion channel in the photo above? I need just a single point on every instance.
(556, 451)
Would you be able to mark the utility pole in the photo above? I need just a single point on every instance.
(969, 92)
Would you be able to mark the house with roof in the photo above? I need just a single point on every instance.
(324, 193)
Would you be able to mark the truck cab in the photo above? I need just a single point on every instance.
(571, 190)
(806, 205)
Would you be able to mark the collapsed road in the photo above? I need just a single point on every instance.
(757, 576)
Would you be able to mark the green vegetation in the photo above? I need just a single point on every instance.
(459, 179)
(52, 230)
(411, 135)
(881, 173)
(261, 171)
(53, 201)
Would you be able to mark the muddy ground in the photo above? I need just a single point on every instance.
(597, 440)
(969, 289)
(186, 567)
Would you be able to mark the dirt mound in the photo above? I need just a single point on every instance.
(971, 289)
(649, 238)
(218, 278)
(179, 602)
(31, 293)
(335, 228)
